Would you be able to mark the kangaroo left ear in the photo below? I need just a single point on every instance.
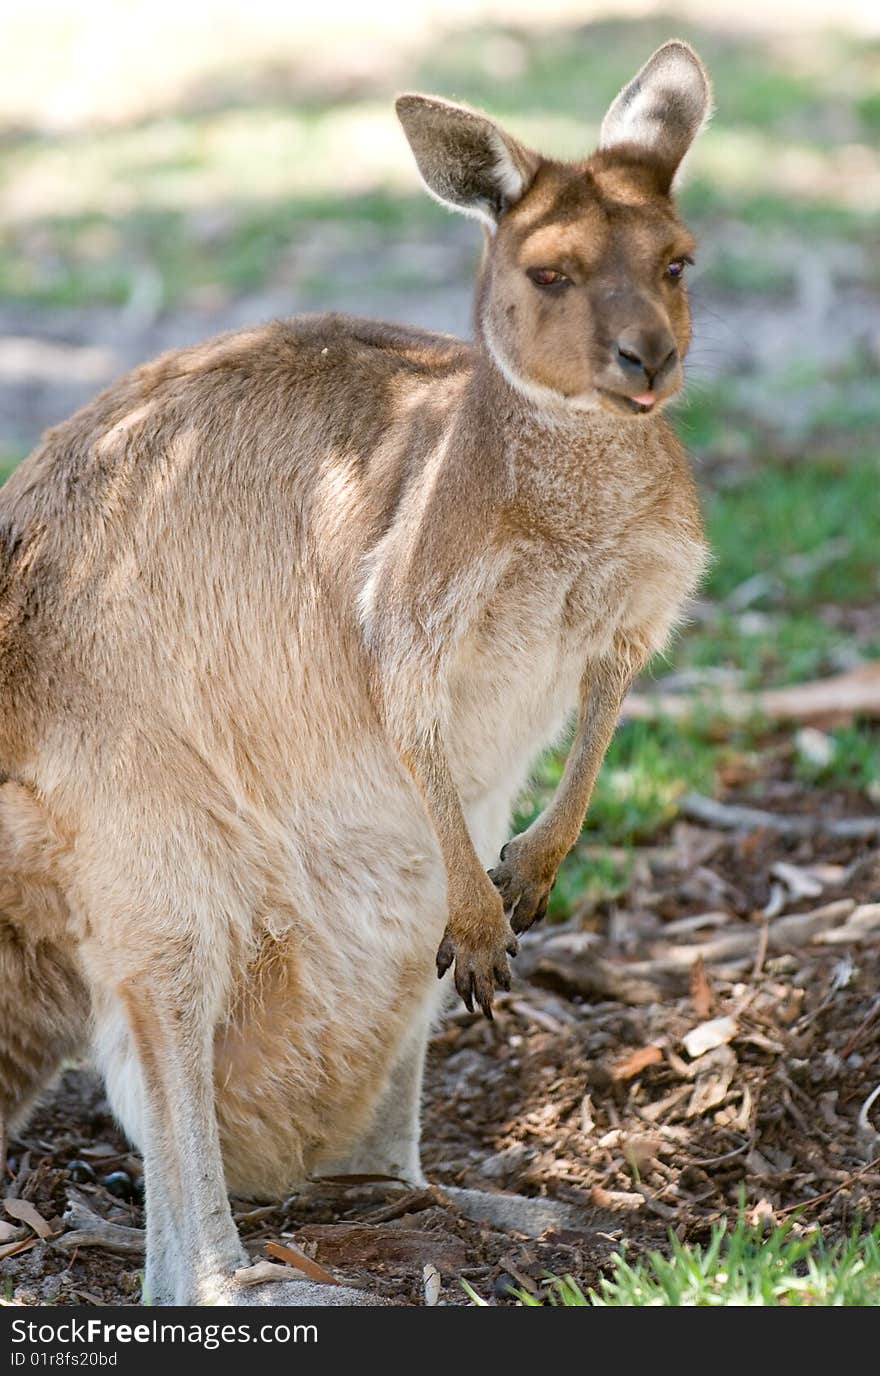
(662, 109)
(467, 162)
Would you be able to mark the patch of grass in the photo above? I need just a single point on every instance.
(853, 762)
(91, 259)
(807, 534)
(868, 107)
(742, 1268)
(766, 650)
(647, 768)
(8, 462)
(649, 765)
(812, 527)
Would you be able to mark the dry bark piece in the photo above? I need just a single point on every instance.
(353, 1244)
(662, 1108)
(515, 1212)
(709, 1035)
(90, 1230)
(868, 1134)
(636, 1062)
(861, 925)
(713, 1080)
(13, 1248)
(616, 1199)
(640, 1151)
(536, 1015)
(801, 883)
(683, 925)
(799, 928)
(588, 1122)
(701, 989)
(522, 1278)
(506, 1164)
(294, 1257)
(413, 1202)
(591, 977)
(26, 1212)
(431, 1285)
(261, 1273)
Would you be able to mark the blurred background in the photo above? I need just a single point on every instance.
(171, 171)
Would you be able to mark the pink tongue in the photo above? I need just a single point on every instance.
(646, 399)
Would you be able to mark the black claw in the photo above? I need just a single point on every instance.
(444, 958)
(484, 999)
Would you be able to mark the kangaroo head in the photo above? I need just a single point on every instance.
(581, 300)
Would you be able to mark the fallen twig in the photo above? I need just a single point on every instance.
(294, 1257)
(260, 1273)
(413, 1202)
(864, 1122)
(12, 1249)
(861, 1030)
(829, 700)
(735, 817)
(829, 1194)
(90, 1230)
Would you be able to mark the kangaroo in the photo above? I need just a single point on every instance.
(285, 619)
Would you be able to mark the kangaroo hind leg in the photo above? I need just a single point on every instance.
(44, 1021)
(44, 1013)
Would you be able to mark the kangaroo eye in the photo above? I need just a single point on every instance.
(548, 277)
(675, 270)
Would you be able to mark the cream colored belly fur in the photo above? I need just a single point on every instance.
(298, 1081)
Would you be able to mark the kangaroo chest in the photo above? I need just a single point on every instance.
(516, 677)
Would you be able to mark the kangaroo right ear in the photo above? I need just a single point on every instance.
(466, 161)
(662, 109)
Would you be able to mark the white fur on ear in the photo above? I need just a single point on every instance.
(510, 177)
(663, 108)
(465, 161)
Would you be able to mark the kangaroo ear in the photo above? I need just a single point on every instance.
(662, 109)
(466, 161)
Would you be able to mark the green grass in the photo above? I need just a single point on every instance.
(647, 767)
(741, 1268)
(854, 761)
(94, 259)
(8, 461)
(808, 531)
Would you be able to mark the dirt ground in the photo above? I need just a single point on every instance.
(584, 1116)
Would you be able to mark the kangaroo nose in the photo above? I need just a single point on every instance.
(645, 355)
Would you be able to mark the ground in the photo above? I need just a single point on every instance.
(275, 184)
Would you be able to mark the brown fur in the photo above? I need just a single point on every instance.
(284, 619)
